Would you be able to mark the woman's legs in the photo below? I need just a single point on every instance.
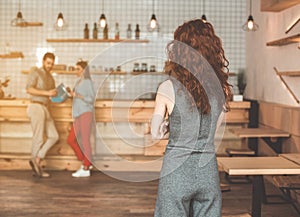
(72, 141)
(85, 126)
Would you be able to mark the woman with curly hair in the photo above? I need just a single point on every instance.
(193, 99)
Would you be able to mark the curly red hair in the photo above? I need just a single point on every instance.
(201, 37)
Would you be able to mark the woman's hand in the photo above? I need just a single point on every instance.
(164, 128)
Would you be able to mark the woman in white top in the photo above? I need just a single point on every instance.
(83, 113)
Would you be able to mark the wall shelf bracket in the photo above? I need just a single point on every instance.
(281, 74)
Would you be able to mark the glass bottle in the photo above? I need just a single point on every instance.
(136, 67)
(137, 32)
(86, 31)
(144, 67)
(105, 32)
(95, 31)
(129, 32)
(117, 32)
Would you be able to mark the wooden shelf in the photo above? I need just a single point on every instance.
(66, 72)
(79, 40)
(289, 73)
(28, 24)
(148, 73)
(12, 55)
(277, 5)
(285, 41)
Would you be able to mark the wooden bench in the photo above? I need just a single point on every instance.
(286, 184)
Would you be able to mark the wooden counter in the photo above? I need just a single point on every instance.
(108, 111)
(121, 129)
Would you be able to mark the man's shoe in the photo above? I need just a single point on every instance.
(81, 173)
(35, 168)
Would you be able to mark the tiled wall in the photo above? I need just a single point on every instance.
(226, 16)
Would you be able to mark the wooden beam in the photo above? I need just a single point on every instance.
(277, 5)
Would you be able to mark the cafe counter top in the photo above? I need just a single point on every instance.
(109, 110)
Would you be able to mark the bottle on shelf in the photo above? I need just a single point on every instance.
(137, 32)
(86, 31)
(105, 32)
(117, 32)
(144, 67)
(129, 32)
(136, 67)
(152, 68)
(95, 31)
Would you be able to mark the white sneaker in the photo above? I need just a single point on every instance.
(81, 173)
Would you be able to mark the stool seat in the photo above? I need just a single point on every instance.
(240, 152)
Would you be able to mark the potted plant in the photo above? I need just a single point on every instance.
(241, 81)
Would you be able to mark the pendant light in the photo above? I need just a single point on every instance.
(153, 24)
(250, 25)
(18, 21)
(60, 23)
(102, 20)
(203, 17)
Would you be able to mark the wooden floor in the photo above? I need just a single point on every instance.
(23, 195)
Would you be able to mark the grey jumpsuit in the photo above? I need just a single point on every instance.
(189, 180)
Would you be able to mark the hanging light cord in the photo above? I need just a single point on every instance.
(203, 5)
(250, 7)
(153, 6)
(102, 6)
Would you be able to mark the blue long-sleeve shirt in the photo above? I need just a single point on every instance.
(83, 87)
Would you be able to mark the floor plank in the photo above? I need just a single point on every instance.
(23, 195)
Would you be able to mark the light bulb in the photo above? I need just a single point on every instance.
(60, 22)
(250, 24)
(102, 21)
(153, 23)
(203, 18)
